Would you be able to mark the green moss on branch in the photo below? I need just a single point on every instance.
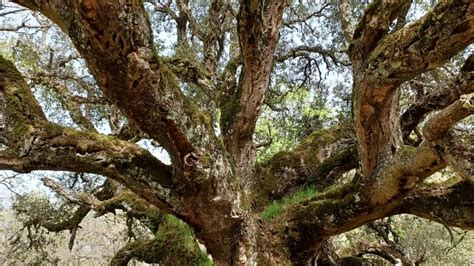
(174, 244)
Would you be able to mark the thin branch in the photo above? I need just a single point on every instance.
(304, 18)
(13, 12)
(304, 50)
(86, 200)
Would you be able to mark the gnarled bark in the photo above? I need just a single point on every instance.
(451, 203)
(382, 61)
(213, 184)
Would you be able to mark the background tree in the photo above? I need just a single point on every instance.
(407, 240)
(24, 241)
(199, 99)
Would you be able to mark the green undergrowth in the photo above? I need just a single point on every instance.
(277, 206)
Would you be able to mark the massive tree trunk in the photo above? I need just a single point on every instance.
(213, 183)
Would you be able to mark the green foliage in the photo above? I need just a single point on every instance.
(5, 48)
(32, 243)
(421, 237)
(277, 206)
(298, 111)
(37, 208)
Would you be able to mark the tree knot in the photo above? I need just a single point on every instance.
(88, 8)
(467, 101)
(191, 159)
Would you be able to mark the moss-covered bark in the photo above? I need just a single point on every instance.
(317, 161)
(174, 244)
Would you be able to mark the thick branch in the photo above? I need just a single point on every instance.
(258, 24)
(118, 49)
(318, 160)
(309, 223)
(373, 26)
(20, 107)
(346, 17)
(422, 45)
(36, 144)
(400, 56)
(186, 16)
(437, 126)
(457, 151)
(214, 41)
(449, 204)
(55, 148)
(463, 84)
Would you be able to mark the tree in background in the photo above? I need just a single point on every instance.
(25, 241)
(407, 240)
(199, 99)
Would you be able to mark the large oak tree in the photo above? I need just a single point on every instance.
(214, 184)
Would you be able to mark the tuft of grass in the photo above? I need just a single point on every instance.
(272, 210)
(277, 206)
(300, 195)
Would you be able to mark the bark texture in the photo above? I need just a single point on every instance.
(213, 183)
